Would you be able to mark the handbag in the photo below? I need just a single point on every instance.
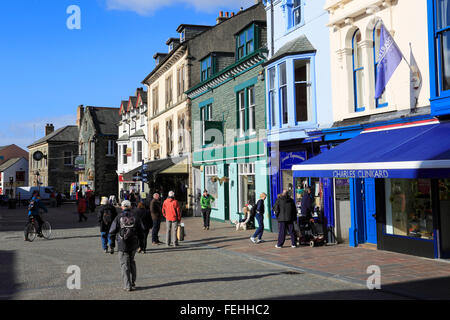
(180, 232)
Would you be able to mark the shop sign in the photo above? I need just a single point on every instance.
(129, 152)
(288, 159)
(79, 163)
(361, 174)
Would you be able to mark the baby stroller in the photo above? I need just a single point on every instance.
(311, 230)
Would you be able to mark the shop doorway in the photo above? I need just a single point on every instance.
(342, 215)
(370, 212)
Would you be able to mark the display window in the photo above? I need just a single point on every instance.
(247, 188)
(288, 180)
(409, 208)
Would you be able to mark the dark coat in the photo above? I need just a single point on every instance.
(144, 215)
(285, 209)
(155, 209)
(307, 205)
(103, 226)
(131, 244)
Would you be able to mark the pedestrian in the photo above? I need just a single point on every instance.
(307, 203)
(58, 199)
(132, 199)
(81, 208)
(260, 209)
(106, 215)
(129, 232)
(172, 212)
(156, 213)
(205, 203)
(121, 195)
(286, 212)
(143, 214)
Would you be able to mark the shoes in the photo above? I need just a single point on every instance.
(133, 286)
(139, 250)
(129, 289)
(278, 247)
(112, 251)
(106, 250)
(204, 228)
(252, 240)
(207, 228)
(259, 240)
(143, 251)
(293, 246)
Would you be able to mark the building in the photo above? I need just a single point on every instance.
(56, 169)
(133, 140)
(298, 93)
(11, 151)
(228, 114)
(392, 162)
(13, 173)
(97, 153)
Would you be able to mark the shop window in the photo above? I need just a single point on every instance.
(247, 190)
(358, 72)
(409, 208)
(211, 183)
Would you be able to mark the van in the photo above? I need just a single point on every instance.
(27, 192)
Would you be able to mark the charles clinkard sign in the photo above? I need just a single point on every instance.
(360, 174)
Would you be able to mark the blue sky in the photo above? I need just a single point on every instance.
(47, 70)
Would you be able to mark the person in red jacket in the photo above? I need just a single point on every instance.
(172, 212)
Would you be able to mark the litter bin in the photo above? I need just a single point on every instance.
(11, 204)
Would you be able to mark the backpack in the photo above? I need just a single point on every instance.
(253, 211)
(32, 205)
(107, 216)
(127, 228)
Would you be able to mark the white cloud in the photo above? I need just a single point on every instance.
(145, 7)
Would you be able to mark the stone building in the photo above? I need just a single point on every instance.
(56, 169)
(97, 148)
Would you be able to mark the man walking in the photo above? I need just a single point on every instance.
(130, 231)
(156, 213)
(286, 213)
(172, 212)
(260, 218)
(106, 215)
(205, 203)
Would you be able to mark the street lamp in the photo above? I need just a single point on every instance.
(37, 181)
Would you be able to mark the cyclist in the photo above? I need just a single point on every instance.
(34, 210)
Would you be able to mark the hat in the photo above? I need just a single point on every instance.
(171, 194)
(126, 204)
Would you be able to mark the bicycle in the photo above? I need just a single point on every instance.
(31, 228)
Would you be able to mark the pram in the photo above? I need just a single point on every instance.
(311, 232)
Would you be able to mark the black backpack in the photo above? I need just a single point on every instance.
(107, 216)
(127, 227)
(253, 211)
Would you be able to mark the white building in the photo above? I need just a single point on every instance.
(13, 173)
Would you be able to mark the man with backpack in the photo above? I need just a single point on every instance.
(129, 231)
(106, 215)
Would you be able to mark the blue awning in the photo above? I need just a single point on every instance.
(414, 150)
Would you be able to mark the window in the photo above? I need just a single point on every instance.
(169, 91)
(68, 158)
(241, 103)
(297, 12)
(139, 151)
(247, 190)
(358, 72)
(125, 154)
(91, 149)
(142, 120)
(169, 141)
(180, 81)
(409, 210)
(442, 40)
(155, 101)
(20, 176)
(156, 141)
(205, 115)
(206, 68)
(211, 183)
(181, 133)
(133, 125)
(381, 101)
(272, 93)
(302, 89)
(182, 35)
(111, 148)
(251, 110)
(283, 92)
(245, 42)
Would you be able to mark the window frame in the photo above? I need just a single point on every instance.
(245, 169)
(354, 75)
(206, 71)
(243, 40)
(280, 96)
(65, 158)
(309, 84)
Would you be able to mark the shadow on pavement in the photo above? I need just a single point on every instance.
(8, 286)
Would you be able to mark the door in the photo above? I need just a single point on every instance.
(370, 227)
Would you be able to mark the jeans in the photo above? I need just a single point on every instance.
(128, 268)
(206, 214)
(282, 233)
(171, 233)
(143, 242)
(155, 229)
(259, 232)
(106, 240)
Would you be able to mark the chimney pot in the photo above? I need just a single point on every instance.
(227, 14)
(221, 14)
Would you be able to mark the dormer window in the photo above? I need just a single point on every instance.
(170, 46)
(182, 36)
(245, 42)
(206, 68)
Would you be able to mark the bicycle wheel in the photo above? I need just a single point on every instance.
(46, 230)
(30, 232)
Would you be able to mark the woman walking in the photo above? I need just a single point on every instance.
(144, 215)
(260, 209)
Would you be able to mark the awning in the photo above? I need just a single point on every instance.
(412, 150)
(154, 167)
(180, 168)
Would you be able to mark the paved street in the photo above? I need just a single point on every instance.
(218, 264)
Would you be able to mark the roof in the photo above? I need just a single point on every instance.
(125, 137)
(143, 96)
(139, 133)
(297, 46)
(172, 40)
(192, 26)
(123, 106)
(9, 163)
(132, 102)
(64, 134)
(105, 120)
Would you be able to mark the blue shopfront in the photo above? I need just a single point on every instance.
(399, 191)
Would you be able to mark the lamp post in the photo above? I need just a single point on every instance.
(38, 182)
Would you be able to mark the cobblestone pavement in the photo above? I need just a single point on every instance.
(216, 264)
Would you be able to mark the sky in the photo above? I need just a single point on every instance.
(48, 69)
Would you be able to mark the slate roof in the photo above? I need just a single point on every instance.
(64, 134)
(297, 46)
(125, 137)
(9, 163)
(105, 120)
(139, 133)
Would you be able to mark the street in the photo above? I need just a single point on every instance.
(199, 269)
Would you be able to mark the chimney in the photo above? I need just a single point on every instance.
(80, 115)
(141, 89)
(49, 128)
(221, 17)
